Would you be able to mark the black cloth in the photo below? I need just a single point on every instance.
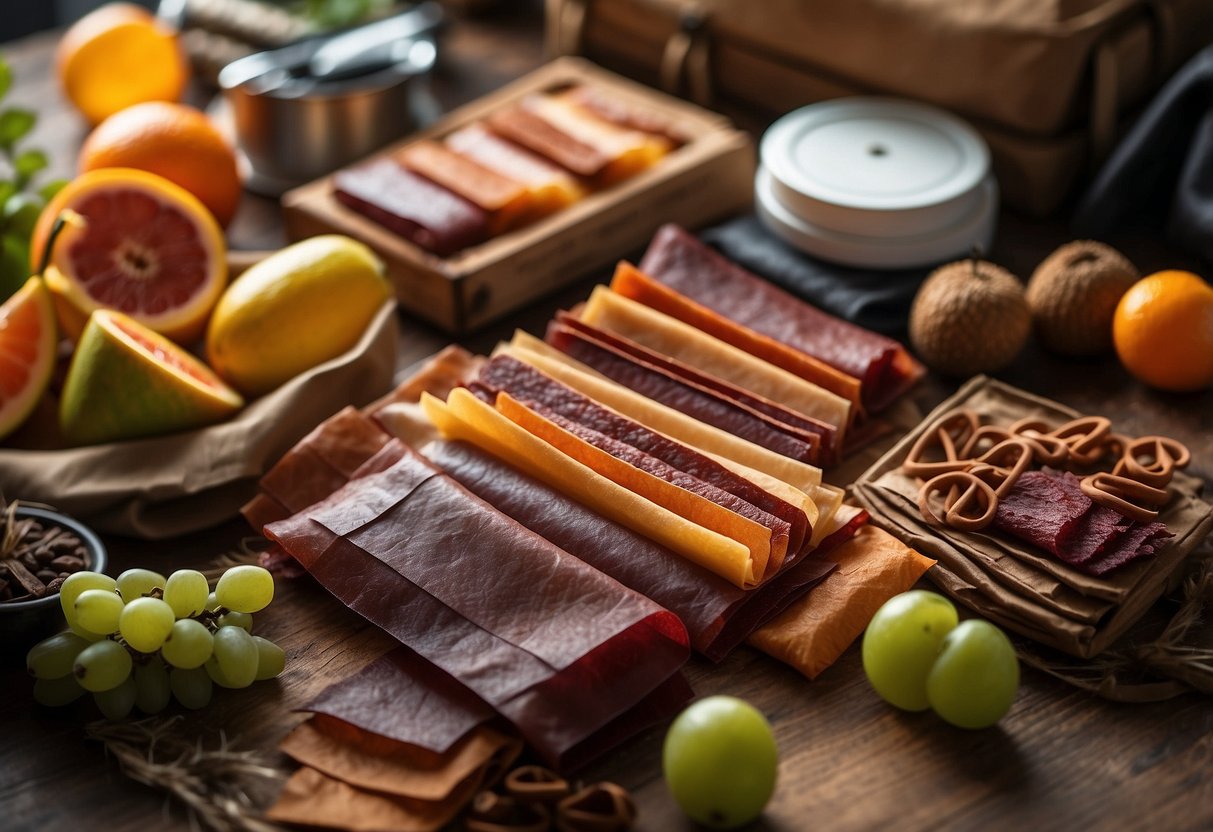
(1160, 178)
(877, 300)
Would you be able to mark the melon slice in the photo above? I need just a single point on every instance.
(27, 352)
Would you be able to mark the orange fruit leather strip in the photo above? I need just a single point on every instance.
(638, 286)
(505, 199)
(699, 510)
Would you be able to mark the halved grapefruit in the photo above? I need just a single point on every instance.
(27, 352)
(146, 248)
(126, 382)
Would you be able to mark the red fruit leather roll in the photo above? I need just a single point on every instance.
(422, 212)
(697, 402)
(554, 645)
(528, 385)
(679, 260)
(798, 421)
(1043, 509)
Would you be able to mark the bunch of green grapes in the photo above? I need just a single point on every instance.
(140, 640)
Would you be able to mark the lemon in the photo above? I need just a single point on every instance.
(299, 307)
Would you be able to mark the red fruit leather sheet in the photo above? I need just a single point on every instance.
(679, 260)
(554, 645)
(697, 402)
(530, 386)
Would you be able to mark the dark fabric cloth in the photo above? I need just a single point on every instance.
(1161, 175)
(877, 300)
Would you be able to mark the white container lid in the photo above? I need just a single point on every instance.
(950, 243)
(876, 167)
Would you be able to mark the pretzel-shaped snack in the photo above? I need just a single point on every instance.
(1132, 498)
(954, 428)
(1164, 455)
(971, 508)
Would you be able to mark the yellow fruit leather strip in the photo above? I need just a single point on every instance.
(829, 501)
(371, 762)
(814, 631)
(311, 798)
(669, 336)
(657, 416)
(465, 417)
(695, 508)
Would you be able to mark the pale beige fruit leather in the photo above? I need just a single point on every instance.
(171, 485)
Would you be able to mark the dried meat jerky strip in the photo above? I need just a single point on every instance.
(1141, 540)
(412, 206)
(679, 260)
(1041, 510)
(528, 385)
(698, 403)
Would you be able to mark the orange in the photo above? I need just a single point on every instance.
(1163, 331)
(145, 247)
(27, 352)
(117, 56)
(174, 141)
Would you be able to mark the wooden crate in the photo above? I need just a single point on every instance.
(709, 177)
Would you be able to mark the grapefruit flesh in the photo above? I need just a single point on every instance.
(128, 382)
(27, 352)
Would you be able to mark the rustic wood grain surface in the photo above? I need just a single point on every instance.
(1061, 760)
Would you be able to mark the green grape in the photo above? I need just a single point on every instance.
(243, 620)
(189, 644)
(102, 666)
(236, 656)
(152, 690)
(98, 610)
(186, 592)
(192, 688)
(77, 583)
(973, 682)
(215, 672)
(245, 589)
(135, 583)
(117, 702)
(87, 635)
(54, 658)
(902, 643)
(145, 623)
(720, 762)
(55, 693)
(212, 603)
(271, 659)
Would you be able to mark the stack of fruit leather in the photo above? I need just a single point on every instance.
(1010, 582)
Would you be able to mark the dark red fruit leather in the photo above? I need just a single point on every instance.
(412, 206)
(697, 402)
(1140, 540)
(554, 645)
(679, 260)
(528, 385)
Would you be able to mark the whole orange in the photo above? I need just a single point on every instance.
(1163, 331)
(119, 55)
(174, 141)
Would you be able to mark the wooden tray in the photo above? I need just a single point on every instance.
(710, 176)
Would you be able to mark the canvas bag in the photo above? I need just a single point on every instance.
(1045, 81)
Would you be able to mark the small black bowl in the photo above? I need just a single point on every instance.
(25, 623)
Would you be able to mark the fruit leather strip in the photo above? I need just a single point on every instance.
(803, 425)
(1043, 509)
(529, 130)
(673, 423)
(375, 763)
(504, 199)
(713, 357)
(632, 283)
(403, 697)
(883, 366)
(696, 402)
(1098, 530)
(551, 188)
(1141, 540)
(527, 384)
(763, 534)
(465, 417)
(623, 113)
(422, 212)
(817, 628)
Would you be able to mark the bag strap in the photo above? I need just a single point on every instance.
(565, 26)
(686, 60)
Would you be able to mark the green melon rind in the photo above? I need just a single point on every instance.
(116, 390)
(15, 411)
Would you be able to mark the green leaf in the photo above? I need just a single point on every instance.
(48, 191)
(7, 189)
(15, 123)
(30, 162)
(6, 77)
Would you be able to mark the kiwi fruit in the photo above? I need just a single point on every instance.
(969, 317)
(1073, 295)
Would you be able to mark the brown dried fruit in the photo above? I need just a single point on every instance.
(1073, 295)
(969, 317)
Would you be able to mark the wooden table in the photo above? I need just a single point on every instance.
(1061, 760)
